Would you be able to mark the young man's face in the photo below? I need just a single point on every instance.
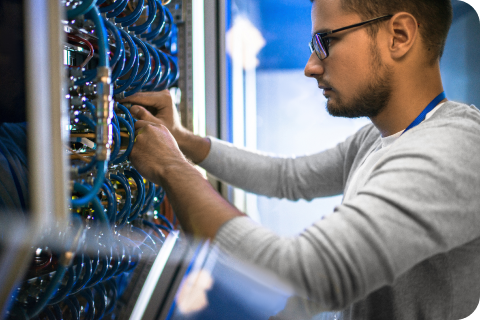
(354, 78)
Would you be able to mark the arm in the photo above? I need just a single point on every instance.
(293, 178)
(199, 208)
(419, 202)
(319, 175)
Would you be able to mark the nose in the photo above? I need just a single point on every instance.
(314, 67)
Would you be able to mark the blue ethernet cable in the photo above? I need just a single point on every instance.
(83, 8)
(118, 69)
(57, 311)
(49, 314)
(162, 83)
(64, 291)
(140, 199)
(131, 139)
(148, 198)
(89, 76)
(113, 265)
(159, 194)
(101, 306)
(125, 262)
(160, 25)
(165, 220)
(152, 13)
(127, 113)
(90, 311)
(116, 138)
(73, 309)
(83, 118)
(112, 286)
(111, 201)
(133, 60)
(82, 281)
(155, 228)
(100, 27)
(118, 10)
(145, 236)
(100, 272)
(120, 178)
(93, 111)
(118, 59)
(142, 76)
(49, 291)
(76, 302)
(112, 6)
(132, 17)
(172, 76)
(118, 42)
(147, 64)
(90, 196)
(176, 71)
(167, 32)
(133, 52)
(101, 34)
(156, 71)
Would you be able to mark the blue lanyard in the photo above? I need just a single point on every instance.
(429, 108)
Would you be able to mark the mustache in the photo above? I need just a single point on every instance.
(324, 84)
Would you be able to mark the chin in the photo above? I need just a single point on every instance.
(341, 110)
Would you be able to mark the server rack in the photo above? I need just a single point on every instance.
(73, 73)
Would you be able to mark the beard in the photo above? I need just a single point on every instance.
(373, 98)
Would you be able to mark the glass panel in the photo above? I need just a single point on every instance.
(275, 108)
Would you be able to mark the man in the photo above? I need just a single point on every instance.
(405, 243)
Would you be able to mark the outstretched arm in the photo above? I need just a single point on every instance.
(319, 175)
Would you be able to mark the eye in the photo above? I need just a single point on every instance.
(327, 41)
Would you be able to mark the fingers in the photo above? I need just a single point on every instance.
(147, 99)
(141, 113)
(139, 124)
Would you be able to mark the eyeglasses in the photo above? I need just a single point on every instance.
(320, 42)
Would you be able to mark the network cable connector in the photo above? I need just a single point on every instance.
(104, 103)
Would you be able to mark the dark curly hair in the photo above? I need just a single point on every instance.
(434, 16)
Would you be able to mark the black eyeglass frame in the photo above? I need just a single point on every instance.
(319, 38)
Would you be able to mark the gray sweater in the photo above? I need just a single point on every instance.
(407, 246)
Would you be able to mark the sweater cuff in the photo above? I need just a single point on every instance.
(233, 232)
(217, 149)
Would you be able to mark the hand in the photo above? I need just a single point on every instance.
(157, 107)
(154, 150)
(199, 208)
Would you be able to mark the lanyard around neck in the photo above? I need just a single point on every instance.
(425, 111)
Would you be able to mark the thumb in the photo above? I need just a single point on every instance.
(141, 113)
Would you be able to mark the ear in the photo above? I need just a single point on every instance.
(403, 33)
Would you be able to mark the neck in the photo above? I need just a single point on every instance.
(411, 94)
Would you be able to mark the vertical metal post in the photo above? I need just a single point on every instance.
(46, 158)
(185, 63)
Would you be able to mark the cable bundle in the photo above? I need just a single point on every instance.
(115, 48)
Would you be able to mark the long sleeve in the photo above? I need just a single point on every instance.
(307, 177)
(420, 201)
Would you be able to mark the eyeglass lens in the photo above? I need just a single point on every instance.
(320, 48)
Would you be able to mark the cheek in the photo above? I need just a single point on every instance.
(351, 67)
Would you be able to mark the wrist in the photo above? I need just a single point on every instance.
(194, 147)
